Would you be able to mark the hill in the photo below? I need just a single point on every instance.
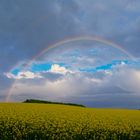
(49, 102)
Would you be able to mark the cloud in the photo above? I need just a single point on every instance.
(122, 82)
(55, 68)
(69, 85)
(28, 28)
(23, 75)
(127, 79)
(38, 72)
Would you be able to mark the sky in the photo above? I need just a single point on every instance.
(100, 72)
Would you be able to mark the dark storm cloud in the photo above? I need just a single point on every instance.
(28, 26)
(118, 21)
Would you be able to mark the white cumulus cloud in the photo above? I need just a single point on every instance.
(55, 68)
(23, 75)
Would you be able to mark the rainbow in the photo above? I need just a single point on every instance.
(70, 40)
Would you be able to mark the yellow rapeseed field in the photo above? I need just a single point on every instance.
(20, 121)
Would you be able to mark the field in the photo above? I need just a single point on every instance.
(20, 121)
